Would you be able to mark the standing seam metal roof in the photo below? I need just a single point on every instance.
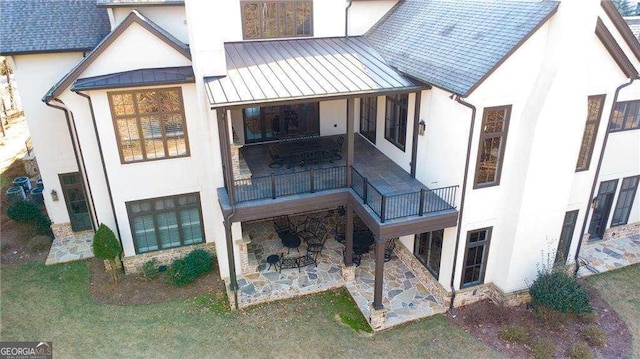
(141, 77)
(282, 70)
(38, 26)
(455, 44)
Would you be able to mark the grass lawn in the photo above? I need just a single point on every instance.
(54, 304)
(620, 289)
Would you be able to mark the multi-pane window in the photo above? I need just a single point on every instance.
(493, 140)
(428, 249)
(274, 122)
(564, 242)
(626, 116)
(149, 124)
(475, 258)
(594, 113)
(395, 127)
(276, 18)
(368, 115)
(167, 222)
(625, 200)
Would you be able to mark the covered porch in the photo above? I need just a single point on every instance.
(404, 295)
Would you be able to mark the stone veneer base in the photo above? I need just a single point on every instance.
(133, 264)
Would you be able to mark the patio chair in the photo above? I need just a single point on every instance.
(289, 263)
(315, 246)
(274, 153)
(283, 224)
(309, 230)
(307, 259)
(389, 246)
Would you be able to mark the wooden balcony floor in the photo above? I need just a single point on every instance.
(382, 172)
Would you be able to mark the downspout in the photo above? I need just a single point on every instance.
(230, 256)
(346, 18)
(77, 152)
(104, 167)
(595, 176)
(462, 198)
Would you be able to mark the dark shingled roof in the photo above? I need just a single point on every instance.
(157, 76)
(634, 25)
(36, 26)
(455, 44)
(138, 2)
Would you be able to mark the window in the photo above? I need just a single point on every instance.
(475, 258)
(272, 19)
(149, 124)
(564, 242)
(590, 131)
(395, 129)
(625, 200)
(274, 122)
(493, 139)
(368, 115)
(626, 116)
(428, 249)
(166, 222)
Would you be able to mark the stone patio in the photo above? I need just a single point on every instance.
(405, 297)
(603, 256)
(71, 248)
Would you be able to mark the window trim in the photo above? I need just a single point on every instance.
(596, 123)
(503, 134)
(426, 265)
(571, 232)
(260, 20)
(623, 117)
(485, 256)
(633, 196)
(395, 100)
(137, 116)
(130, 216)
(372, 106)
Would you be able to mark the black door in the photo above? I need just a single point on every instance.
(601, 208)
(74, 197)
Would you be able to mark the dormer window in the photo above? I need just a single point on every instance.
(276, 19)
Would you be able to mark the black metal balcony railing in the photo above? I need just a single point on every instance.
(323, 179)
(405, 204)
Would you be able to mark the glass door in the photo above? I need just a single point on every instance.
(74, 197)
(601, 209)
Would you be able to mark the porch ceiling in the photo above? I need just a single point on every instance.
(301, 69)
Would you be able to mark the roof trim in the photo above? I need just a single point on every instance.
(141, 4)
(614, 50)
(133, 17)
(86, 83)
(508, 54)
(622, 27)
(52, 51)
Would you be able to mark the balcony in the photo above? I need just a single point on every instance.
(382, 188)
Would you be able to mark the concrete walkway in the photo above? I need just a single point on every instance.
(72, 248)
(604, 256)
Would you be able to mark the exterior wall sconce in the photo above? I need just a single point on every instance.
(54, 195)
(421, 127)
(594, 203)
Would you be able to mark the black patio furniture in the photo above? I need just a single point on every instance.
(306, 149)
(283, 224)
(307, 259)
(337, 151)
(389, 246)
(288, 263)
(273, 260)
(362, 241)
(290, 240)
(316, 245)
(311, 229)
(274, 153)
(356, 256)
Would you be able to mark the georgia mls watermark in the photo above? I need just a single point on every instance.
(26, 350)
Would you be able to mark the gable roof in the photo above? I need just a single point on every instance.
(40, 26)
(133, 17)
(622, 27)
(133, 78)
(456, 44)
(616, 52)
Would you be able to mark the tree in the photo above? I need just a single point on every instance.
(625, 7)
(107, 247)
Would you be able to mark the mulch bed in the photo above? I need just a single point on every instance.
(132, 289)
(484, 320)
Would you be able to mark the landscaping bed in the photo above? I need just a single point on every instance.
(485, 321)
(133, 289)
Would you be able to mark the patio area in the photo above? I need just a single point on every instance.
(72, 248)
(405, 298)
(603, 256)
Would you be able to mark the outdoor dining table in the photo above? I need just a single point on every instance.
(291, 148)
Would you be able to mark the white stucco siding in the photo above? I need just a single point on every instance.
(400, 157)
(173, 19)
(136, 48)
(328, 18)
(333, 118)
(47, 126)
(364, 14)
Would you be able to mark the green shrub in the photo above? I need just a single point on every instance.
(27, 212)
(150, 269)
(23, 211)
(513, 333)
(185, 270)
(38, 244)
(560, 291)
(105, 243)
(543, 349)
(595, 336)
(580, 351)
